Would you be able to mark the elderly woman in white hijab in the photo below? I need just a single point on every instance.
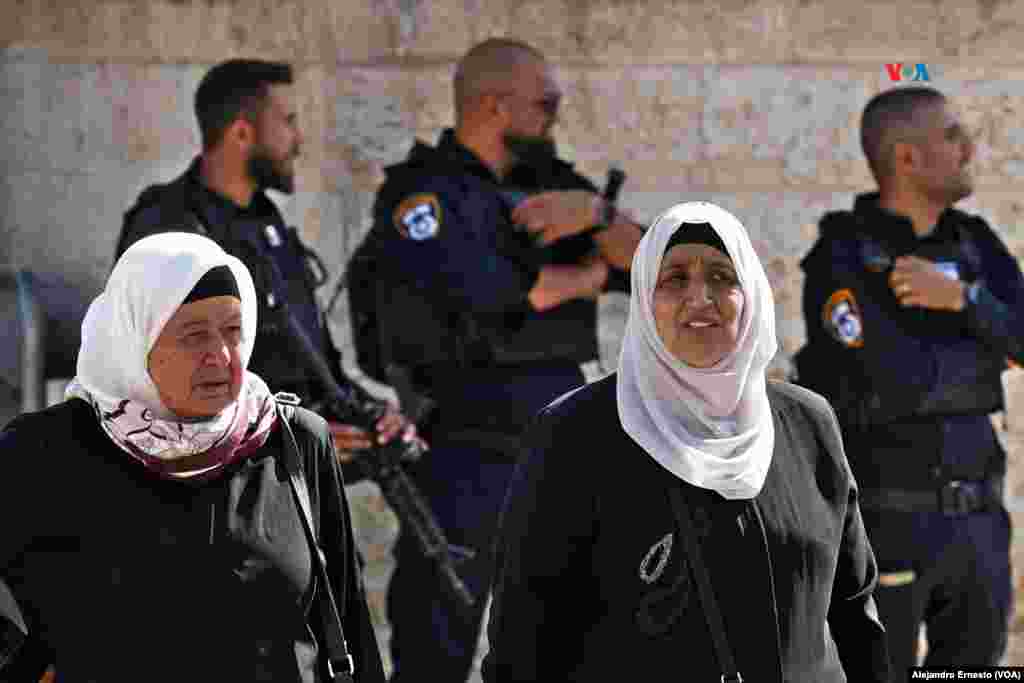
(685, 518)
(183, 500)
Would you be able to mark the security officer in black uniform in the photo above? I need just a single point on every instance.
(913, 309)
(251, 138)
(488, 253)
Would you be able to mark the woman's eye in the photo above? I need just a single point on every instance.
(723, 278)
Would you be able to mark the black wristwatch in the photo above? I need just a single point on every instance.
(971, 292)
(610, 195)
(609, 214)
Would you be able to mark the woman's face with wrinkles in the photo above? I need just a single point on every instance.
(698, 304)
(196, 362)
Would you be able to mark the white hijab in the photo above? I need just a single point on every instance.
(710, 427)
(148, 284)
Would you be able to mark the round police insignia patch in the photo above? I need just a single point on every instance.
(419, 217)
(843, 320)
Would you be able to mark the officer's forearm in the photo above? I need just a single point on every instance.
(618, 242)
(557, 284)
(996, 324)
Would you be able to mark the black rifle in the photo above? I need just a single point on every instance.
(383, 464)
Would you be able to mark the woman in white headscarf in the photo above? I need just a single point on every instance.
(172, 546)
(684, 518)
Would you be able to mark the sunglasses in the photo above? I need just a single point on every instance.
(548, 104)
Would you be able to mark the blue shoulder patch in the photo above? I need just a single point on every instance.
(418, 217)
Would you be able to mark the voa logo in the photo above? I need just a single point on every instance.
(899, 71)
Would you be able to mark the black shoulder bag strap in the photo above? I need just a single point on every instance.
(688, 531)
(340, 665)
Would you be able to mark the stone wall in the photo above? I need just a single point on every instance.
(752, 104)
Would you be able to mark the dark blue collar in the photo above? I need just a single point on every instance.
(894, 229)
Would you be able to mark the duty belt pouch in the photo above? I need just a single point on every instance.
(707, 595)
(340, 665)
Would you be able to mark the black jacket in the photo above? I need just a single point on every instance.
(477, 264)
(124, 576)
(913, 388)
(280, 265)
(586, 510)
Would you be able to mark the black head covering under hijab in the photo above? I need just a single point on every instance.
(218, 281)
(697, 233)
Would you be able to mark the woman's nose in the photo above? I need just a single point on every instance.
(696, 292)
(218, 353)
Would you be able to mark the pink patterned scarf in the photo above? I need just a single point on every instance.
(188, 449)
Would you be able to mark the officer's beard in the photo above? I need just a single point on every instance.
(963, 187)
(952, 190)
(268, 174)
(535, 151)
(961, 192)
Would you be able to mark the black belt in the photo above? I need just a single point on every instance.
(957, 497)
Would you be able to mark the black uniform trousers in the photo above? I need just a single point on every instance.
(434, 637)
(957, 583)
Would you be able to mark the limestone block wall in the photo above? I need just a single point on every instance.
(753, 104)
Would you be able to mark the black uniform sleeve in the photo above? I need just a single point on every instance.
(859, 331)
(344, 567)
(538, 613)
(997, 314)
(149, 217)
(451, 244)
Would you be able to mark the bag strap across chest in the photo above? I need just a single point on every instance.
(340, 665)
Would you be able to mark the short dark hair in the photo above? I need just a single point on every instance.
(237, 87)
(890, 117)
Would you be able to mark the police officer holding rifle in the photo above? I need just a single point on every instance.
(251, 138)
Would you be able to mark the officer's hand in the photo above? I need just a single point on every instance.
(348, 439)
(598, 270)
(559, 214)
(917, 282)
(394, 423)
